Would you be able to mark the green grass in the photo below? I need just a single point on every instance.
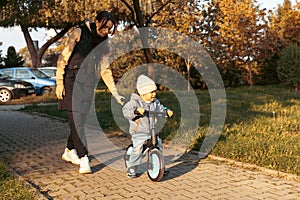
(11, 188)
(262, 124)
(50, 110)
(262, 127)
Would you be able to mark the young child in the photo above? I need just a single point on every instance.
(139, 125)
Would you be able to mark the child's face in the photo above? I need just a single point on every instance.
(148, 97)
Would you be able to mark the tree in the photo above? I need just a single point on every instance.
(286, 23)
(28, 14)
(141, 13)
(130, 13)
(181, 16)
(13, 59)
(283, 30)
(288, 66)
(26, 56)
(57, 14)
(234, 33)
(61, 14)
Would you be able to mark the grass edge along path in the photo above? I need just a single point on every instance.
(13, 186)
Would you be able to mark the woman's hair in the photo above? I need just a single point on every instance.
(106, 16)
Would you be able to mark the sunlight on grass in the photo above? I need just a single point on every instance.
(265, 130)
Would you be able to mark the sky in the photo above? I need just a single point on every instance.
(14, 37)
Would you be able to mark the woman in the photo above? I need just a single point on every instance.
(82, 40)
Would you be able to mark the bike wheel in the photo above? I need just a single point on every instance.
(128, 151)
(156, 166)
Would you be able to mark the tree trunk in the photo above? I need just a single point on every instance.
(188, 66)
(250, 75)
(32, 51)
(144, 37)
(37, 54)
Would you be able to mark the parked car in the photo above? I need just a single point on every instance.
(41, 82)
(50, 71)
(13, 89)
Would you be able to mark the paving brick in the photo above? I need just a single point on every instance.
(35, 143)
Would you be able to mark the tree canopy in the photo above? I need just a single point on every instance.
(241, 38)
(13, 59)
(286, 22)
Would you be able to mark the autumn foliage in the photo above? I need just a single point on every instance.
(244, 40)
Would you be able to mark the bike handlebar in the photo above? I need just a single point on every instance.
(156, 112)
(152, 113)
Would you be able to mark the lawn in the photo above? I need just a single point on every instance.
(261, 127)
(12, 188)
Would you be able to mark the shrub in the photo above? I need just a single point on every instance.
(289, 66)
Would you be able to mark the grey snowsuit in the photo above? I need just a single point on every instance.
(139, 128)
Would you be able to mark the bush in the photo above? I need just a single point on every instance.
(289, 66)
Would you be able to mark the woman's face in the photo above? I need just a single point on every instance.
(106, 29)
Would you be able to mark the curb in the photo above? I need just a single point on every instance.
(11, 107)
(253, 167)
(21, 106)
(38, 194)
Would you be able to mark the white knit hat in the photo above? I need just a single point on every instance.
(145, 85)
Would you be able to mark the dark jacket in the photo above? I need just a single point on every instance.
(82, 86)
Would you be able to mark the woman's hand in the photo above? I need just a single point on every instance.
(60, 91)
(120, 99)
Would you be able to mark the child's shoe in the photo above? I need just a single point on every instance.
(71, 156)
(85, 165)
(131, 172)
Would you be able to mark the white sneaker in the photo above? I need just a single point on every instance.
(71, 156)
(85, 165)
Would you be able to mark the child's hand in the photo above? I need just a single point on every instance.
(141, 110)
(170, 113)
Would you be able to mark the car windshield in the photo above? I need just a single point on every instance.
(49, 72)
(4, 76)
(39, 74)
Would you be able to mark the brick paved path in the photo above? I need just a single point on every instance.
(34, 144)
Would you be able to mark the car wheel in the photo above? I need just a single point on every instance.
(5, 95)
(45, 91)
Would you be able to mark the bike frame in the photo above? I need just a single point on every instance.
(154, 136)
(155, 168)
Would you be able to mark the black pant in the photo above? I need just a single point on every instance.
(77, 139)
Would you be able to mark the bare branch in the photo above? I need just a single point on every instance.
(131, 10)
(148, 20)
(42, 50)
